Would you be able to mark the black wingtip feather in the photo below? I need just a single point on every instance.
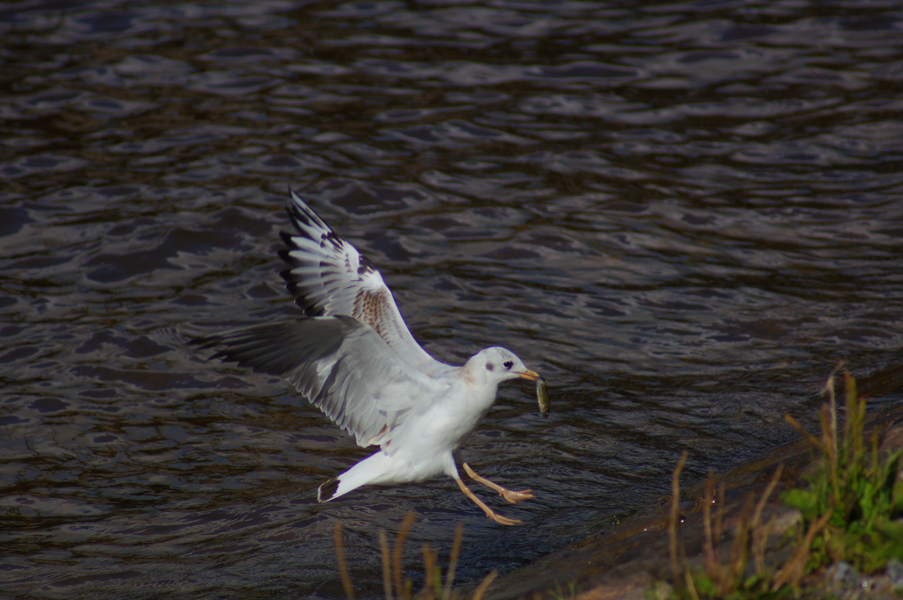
(287, 240)
(304, 215)
(297, 216)
(296, 289)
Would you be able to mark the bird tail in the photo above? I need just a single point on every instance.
(370, 470)
(326, 492)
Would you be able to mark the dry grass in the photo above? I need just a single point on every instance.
(717, 579)
(395, 585)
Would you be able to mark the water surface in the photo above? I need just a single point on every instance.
(682, 214)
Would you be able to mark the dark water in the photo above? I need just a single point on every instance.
(682, 214)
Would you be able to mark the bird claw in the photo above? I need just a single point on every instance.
(516, 496)
(502, 520)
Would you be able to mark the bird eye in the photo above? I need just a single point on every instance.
(490, 366)
(509, 364)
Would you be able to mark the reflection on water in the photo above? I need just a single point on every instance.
(682, 215)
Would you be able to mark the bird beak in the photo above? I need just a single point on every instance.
(528, 374)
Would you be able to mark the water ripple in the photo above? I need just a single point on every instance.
(682, 214)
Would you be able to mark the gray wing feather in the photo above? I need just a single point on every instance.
(341, 366)
(278, 348)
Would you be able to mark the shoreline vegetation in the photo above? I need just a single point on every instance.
(849, 510)
(833, 529)
(395, 585)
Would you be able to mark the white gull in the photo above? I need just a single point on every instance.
(354, 358)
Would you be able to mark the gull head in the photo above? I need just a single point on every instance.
(495, 365)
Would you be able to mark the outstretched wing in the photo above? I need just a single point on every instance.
(329, 277)
(339, 365)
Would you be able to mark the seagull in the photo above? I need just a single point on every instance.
(353, 357)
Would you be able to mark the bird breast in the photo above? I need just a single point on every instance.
(453, 418)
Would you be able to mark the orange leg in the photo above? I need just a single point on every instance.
(509, 495)
(489, 512)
